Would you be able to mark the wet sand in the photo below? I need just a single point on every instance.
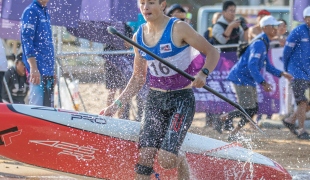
(281, 146)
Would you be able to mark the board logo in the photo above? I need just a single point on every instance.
(7, 135)
(92, 118)
(142, 53)
(79, 152)
(164, 48)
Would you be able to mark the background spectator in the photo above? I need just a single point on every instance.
(208, 33)
(256, 29)
(296, 58)
(17, 82)
(227, 30)
(282, 33)
(38, 57)
(246, 73)
(118, 69)
(177, 11)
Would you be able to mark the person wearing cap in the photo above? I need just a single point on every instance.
(296, 58)
(17, 82)
(256, 29)
(245, 74)
(176, 10)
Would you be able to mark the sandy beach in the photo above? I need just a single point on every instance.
(281, 146)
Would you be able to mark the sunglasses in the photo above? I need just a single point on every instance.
(274, 26)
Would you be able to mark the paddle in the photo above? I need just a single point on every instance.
(115, 32)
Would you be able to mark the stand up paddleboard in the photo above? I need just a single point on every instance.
(106, 148)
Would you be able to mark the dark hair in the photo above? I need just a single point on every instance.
(18, 58)
(283, 21)
(128, 31)
(160, 1)
(174, 7)
(226, 5)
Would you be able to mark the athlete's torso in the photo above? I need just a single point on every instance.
(184, 58)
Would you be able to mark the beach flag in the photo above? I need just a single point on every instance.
(298, 8)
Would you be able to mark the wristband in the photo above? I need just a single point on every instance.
(118, 103)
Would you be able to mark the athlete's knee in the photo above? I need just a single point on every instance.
(167, 160)
(143, 170)
(302, 103)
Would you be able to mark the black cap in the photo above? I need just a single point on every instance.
(174, 7)
(19, 57)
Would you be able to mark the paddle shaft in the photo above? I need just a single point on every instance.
(8, 90)
(115, 32)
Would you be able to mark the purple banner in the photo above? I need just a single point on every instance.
(9, 29)
(69, 12)
(13, 9)
(217, 80)
(109, 10)
(298, 8)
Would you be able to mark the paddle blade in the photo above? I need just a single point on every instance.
(111, 30)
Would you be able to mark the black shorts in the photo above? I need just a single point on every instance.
(299, 87)
(168, 116)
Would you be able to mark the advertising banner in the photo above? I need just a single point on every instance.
(269, 102)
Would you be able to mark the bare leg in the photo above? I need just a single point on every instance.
(299, 114)
(146, 158)
(308, 107)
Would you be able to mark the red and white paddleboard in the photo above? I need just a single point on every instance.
(106, 148)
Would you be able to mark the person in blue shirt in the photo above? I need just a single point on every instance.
(38, 56)
(296, 58)
(246, 74)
